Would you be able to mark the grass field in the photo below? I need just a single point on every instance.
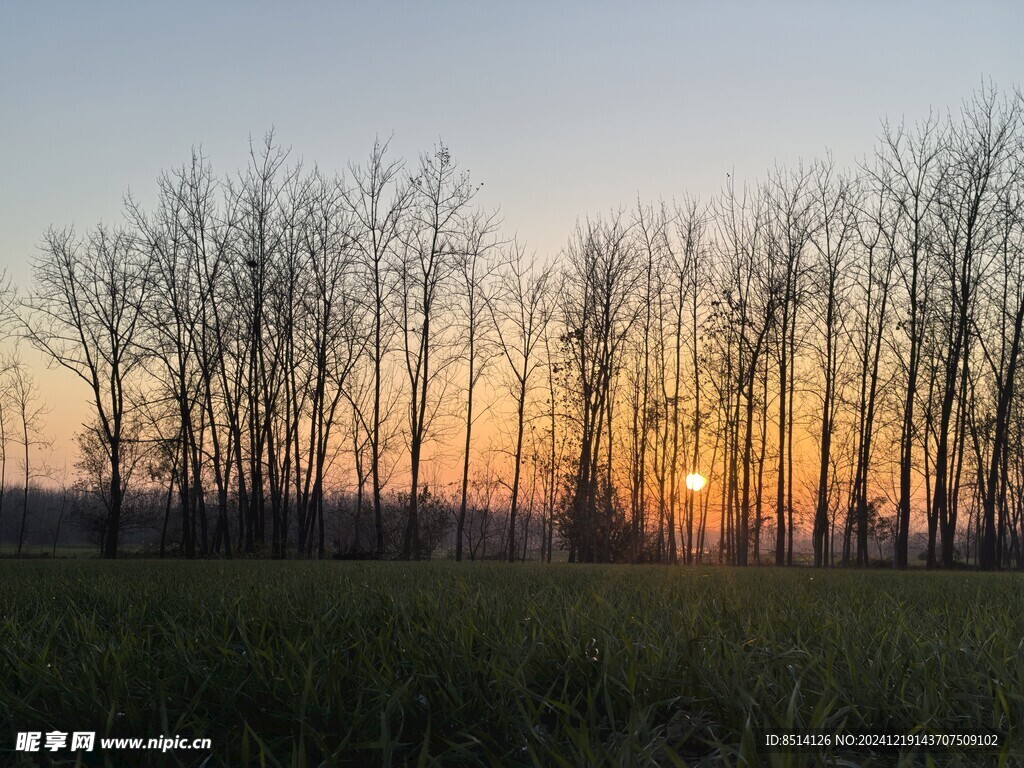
(309, 664)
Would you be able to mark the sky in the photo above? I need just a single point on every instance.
(559, 109)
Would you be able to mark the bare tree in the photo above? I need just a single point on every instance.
(908, 167)
(333, 339)
(875, 269)
(439, 203)
(378, 198)
(171, 317)
(968, 211)
(689, 267)
(28, 411)
(85, 313)
(599, 308)
(789, 227)
(473, 268)
(521, 310)
(749, 301)
(7, 318)
(835, 204)
(6, 425)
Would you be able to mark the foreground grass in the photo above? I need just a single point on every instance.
(308, 664)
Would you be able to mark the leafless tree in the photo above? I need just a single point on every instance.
(599, 308)
(750, 302)
(874, 276)
(788, 232)
(908, 167)
(473, 269)
(969, 205)
(439, 202)
(378, 198)
(836, 201)
(85, 313)
(28, 411)
(521, 311)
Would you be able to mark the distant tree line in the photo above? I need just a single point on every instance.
(300, 360)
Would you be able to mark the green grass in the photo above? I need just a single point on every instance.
(308, 664)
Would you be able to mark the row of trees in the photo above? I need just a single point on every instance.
(832, 348)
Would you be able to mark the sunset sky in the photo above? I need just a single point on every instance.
(559, 111)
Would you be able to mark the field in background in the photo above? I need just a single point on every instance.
(329, 663)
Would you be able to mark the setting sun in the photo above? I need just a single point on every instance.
(695, 482)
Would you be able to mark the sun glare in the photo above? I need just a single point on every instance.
(695, 482)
